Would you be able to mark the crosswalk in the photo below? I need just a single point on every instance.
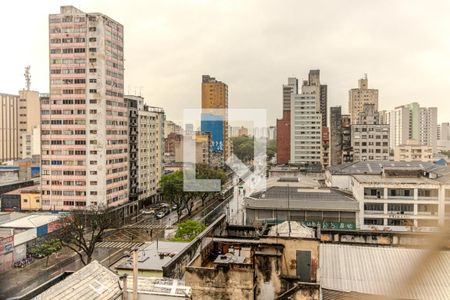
(118, 245)
(148, 226)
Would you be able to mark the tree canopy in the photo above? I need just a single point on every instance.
(188, 230)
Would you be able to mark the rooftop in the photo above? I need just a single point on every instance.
(376, 167)
(283, 197)
(393, 180)
(31, 221)
(91, 282)
(385, 271)
(27, 189)
(160, 286)
(153, 256)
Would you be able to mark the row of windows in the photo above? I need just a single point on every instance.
(65, 61)
(64, 173)
(67, 50)
(67, 71)
(67, 101)
(63, 112)
(67, 40)
(67, 122)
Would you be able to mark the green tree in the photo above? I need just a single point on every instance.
(188, 230)
(271, 149)
(47, 248)
(243, 148)
(172, 190)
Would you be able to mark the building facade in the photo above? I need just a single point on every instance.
(412, 122)
(370, 138)
(360, 96)
(284, 124)
(413, 151)
(215, 97)
(306, 128)
(10, 127)
(335, 135)
(84, 143)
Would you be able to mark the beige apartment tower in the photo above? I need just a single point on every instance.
(19, 118)
(84, 141)
(361, 96)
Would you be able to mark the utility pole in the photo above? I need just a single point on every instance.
(135, 273)
(289, 212)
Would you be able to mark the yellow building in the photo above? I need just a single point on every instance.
(30, 198)
(215, 96)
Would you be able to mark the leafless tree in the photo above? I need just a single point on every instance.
(83, 229)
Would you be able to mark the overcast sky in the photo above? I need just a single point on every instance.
(253, 46)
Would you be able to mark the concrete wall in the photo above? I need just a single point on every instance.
(235, 282)
(176, 267)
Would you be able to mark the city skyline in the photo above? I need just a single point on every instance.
(176, 51)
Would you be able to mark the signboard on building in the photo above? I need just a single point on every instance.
(6, 244)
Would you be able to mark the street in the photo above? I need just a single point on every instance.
(19, 281)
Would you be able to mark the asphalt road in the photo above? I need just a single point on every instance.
(19, 281)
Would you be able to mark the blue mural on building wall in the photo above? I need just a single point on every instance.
(215, 125)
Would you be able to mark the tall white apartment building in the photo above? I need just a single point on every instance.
(412, 122)
(84, 140)
(306, 127)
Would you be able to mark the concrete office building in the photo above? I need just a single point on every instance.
(396, 196)
(84, 144)
(215, 96)
(360, 96)
(370, 138)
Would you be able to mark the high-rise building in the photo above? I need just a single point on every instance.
(412, 122)
(444, 131)
(10, 127)
(347, 149)
(146, 147)
(288, 89)
(84, 143)
(360, 96)
(19, 125)
(314, 80)
(271, 133)
(335, 135)
(284, 124)
(306, 127)
(215, 117)
(370, 138)
(171, 127)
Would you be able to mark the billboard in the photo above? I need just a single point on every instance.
(214, 124)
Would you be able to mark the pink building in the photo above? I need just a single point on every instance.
(84, 122)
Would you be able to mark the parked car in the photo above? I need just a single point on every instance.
(162, 213)
(149, 211)
(165, 205)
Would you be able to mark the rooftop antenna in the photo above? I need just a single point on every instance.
(27, 75)
(140, 91)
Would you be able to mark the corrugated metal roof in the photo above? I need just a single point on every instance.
(31, 221)
(376, 167)
(384, 271)
(91, 282)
